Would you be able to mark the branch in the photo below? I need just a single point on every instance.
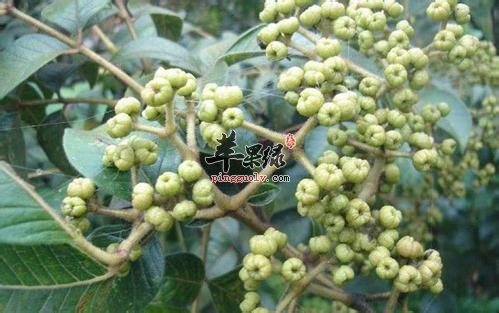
(370, 185)
(391, 305)
(121, 75)
(264, 132)
(78, 239)
(108, 43)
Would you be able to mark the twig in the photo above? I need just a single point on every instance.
(108, 43)
(370, 185)
(205, 236)
(391, 305)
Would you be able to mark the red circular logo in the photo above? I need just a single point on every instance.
(290, 141)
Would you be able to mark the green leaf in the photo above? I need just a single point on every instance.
(264, 195)
(118, 294)
(183, 278)
(72, 15)
(24, 57)
(158, 48)
(290, 222)
(458, 123)
(50, 139)
(12, 147)
(227, 291)
(316, 143)
(168, 23)
(32, 243)
(85, 149)
(245, 47)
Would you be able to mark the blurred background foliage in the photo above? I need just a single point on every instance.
(31, 140)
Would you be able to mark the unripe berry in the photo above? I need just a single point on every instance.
(347, 102)
(431, 114)
(264, 245)
(339, 203)
(129, 106)
(135, 253)
(291, 79)
(175, 76)
(328, 177)
(343, 274)
(356, 170)
(285, 6)
(418, 58)
(408, 279)
(184, 210)
(387, 268)
(437, 287)
(83, 188)
(439, 11)
(250, 302)
(399, 55)
(393, 8)
(404, 99)
(448, 146)
(268, 34)
(443, 108)
(208, 92)
(390, 217)
(419, 79)
(319, 244)
(388, 238)
(444, 40)
(365, 40)
(280, 238)
(293, 269)
(409, 248)
(258, 266)
(379, 253)
(307, 191)
(157, 92)
(311, 16)
(124, 157)
(396, 75)
(392, 173)
(211, 133)
(344, 253)
(398, 38)
(208, 111)
(369, 86)
(327, 47)
(190, 171)
(337, 137)
(358, 213)
(367, 104)
(276, 51)
(310, 102)
(288, 26)
(189, 88)
(159, 218)
(292, 98)
(153, 113)
(329, 114)
(146, 151)
(375, 135)
(108, 157)
(421, 140)
(228, 96)
(142, 196)
(268, 14)
(424, 159)
(82, 224)
(344, 28)
(74, 206)
(458, 30)
(202, 192)
(336, 69)
(462, 13)
(120, 125)
(169, 184)
(332, 9)
(406, 27)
